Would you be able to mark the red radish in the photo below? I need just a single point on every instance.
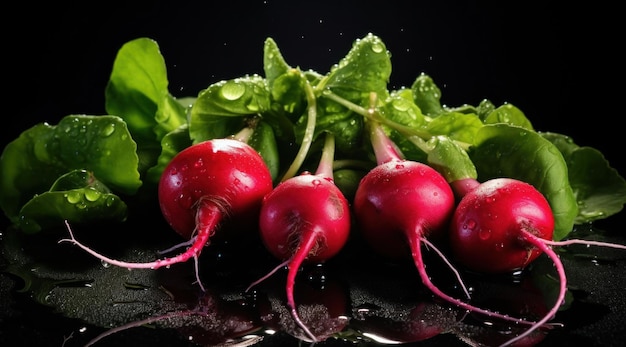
(502, 225)
(402, 202)
(305, 218)
(204, 185)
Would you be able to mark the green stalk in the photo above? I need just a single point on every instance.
(308, 133)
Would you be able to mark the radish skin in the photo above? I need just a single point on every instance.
(305, 219)
(204, 185)
(502, 225)
(402, 202)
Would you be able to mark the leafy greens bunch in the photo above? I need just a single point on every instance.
(88, 167)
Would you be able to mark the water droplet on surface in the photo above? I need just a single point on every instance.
(92, 194)
(232, 90)
(108, 130)
(73, 197)
(377, 47)
(105, 264)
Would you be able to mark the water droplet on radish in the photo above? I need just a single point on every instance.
(470, 224)
(399, 166)
(316, 183)
(484, 234)
(185, 201)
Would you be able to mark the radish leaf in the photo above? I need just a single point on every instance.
(502, 150)
(30, 164)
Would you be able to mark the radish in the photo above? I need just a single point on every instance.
(204, 185)
(502, 225)
(402, 202)
(305, 218)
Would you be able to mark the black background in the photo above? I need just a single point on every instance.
(558, 64)
(561, 65)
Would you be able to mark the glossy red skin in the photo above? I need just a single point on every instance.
(227, 172)
(302, 204)
(485, 233)
(396, 197)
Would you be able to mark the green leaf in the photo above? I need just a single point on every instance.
(458, 126)
(287, 95)
(508, 114)
(400, 108)
(137, 83)
(30, 164)
(264, 142)
(600, 190)
(171, 144)
(76, 196)
(221, 109)
(449, 159)
(365, 69)
(137, 92)
(502, 150)
(427, 95)
(335, 119)
(274, 64)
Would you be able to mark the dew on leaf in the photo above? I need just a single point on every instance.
(92, 194)
(232, 90)
(108, 130)
(73, 197)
